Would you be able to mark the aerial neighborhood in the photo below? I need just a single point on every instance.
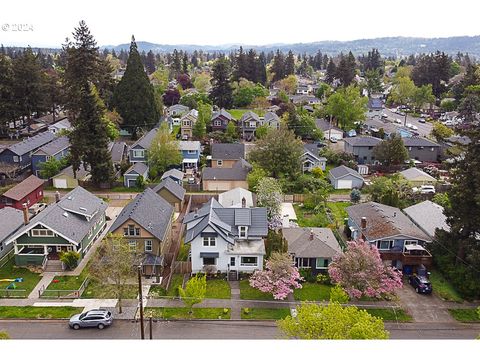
(263, 181)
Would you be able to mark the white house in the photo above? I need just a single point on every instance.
(226, 239)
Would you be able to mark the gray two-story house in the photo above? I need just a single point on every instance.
(423, 149)
(138, 151)
(361, 147)
(249, 122)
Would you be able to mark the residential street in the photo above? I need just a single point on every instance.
(423, 129)
(46, 329)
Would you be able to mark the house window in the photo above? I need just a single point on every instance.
(232, 261)
(137, 231)
(209, 261)
(432, 149)
(219, 162)
(132, 245)
(192, 151)
(209, 241)
(138, 153)
(370, 147)
(321, 263)
(303, 263)
(42, 233)
(186, 123)
(252, 124)
(148, 246)
(242, 232)
(248, 261)
(125, 231)
(15, 158)
(217, 123)
(384, 245)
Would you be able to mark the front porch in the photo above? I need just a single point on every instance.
(412, 255)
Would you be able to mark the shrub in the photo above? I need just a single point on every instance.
(225, 311)
(323, 279)
(70, 259)
(246, 311)
(307, 275)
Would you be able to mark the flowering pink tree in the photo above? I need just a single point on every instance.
(361, 272)
(279, 278)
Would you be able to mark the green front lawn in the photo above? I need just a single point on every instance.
(306, 218)
(465, 315)
(95, 290)
(398, 315)
(67, 282)
(443, 288)
(38, 312)
(10, 271)
(249, 293)
(265, 314)
(218, 289)
(175, 282)
(182, 313)
(157, 291)
(312, 292)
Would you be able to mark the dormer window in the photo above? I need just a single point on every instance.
(242, 232)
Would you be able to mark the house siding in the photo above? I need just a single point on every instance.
(30, 199)
(172, 199)
(424, 154)
(227, 164)
(224, 185)
(362, 154)
(38, 159)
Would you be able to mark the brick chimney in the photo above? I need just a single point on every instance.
(364, 223)
(57, 196)
(26, 216)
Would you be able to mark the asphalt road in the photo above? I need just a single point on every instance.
(423, 129)
(54, 329)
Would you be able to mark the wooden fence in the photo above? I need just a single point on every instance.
(182, 267)
(14, 293)
(6, 258)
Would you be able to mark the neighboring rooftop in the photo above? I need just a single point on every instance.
(19, 191)
(428, 216)
(189, 145)
(342, 170)
(419, 141)
(146, 140)
(375, 103)
(311, 242)
(80, 175)
(362, 141)
(223, 113)
(233, 198)
(174, 173)
(150, 211)
(239, 171)
(228, 151)
(413, 174)
(12, 220)
(173, 187)
(32, 143)
(324, 125)
(384, 221)
(117, 150)
(54, 146)
(138, 168)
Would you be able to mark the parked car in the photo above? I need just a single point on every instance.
(422, 121)
(409, 125)
(414, 127)
(333, 140)
(384, 116)
(99, 318)
(425, 189)
(421, 284)
(398, 121)
(36, 208)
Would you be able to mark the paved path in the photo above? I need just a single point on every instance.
(236, 306)
(46, 279)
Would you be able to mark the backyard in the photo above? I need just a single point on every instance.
(337, 210)
(182, 313)
(10, 272)
(307, 218)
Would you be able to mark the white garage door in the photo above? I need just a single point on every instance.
(60, 183)
(344, 184)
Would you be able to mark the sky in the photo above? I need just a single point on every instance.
(215, 22)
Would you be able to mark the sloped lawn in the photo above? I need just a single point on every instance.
(264, 313)
(443, 288)
(465, 315)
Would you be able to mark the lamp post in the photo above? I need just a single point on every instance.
(140, 301)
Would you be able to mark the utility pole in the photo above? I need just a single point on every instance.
(151, 331)
(140, 301)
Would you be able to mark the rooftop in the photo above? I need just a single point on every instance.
(414, 174)
(31, 143)
(343, 170)
(428, 216)
(228, 151)
(12, 220)
(362, 141)
(167, 183)
(311, 242)
(54, 146)
(239, 171)
(19, 191)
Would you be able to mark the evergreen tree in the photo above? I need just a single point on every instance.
(262, 69)
(222, 92)
(278, 66)
(346, 69)
(251, 66)
(185, 63)
(176, 63)
(331, 72)
(89, 137)
(391, 151)
(150, 63)
(7, 107)
(134, 96)
(290, 64)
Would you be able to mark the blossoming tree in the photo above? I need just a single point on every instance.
(279, 278)
(269, 195)
(361, 272)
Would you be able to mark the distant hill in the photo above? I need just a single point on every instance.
(388, 46)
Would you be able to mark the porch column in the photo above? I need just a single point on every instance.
(16, 247)
(45, 250)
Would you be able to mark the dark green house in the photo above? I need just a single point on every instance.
(73, 223)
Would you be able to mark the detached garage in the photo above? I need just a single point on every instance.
(66, 179)
(343, 177)
(133, 173)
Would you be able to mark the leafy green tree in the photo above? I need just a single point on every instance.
(374, 81)
(442, 199)
(255, 176)
(51, 167)
(423, 95)
(194, 291)
(269, 195)
(140, 182)
(202, 82)
(275, 243)
(289, 84)
(134, 96)
(70, 259)
(222, 92)
(261, 131)
(441, 131)
(204, 115)
(278, 153)
(89, 138)
(392, 191)
(347, 106)
(245, 92)
(338, 295)
(333, 322)
(403, 92)
(164, 151)
(231, 131)
(391, 151)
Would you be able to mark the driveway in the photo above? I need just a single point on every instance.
(424, 308)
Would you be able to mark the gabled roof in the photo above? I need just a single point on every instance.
(428, 216)
(173, 173)
(12, 220)
(363, 141)
(271, 116)
(19, 191)
(189, 145)
(312, 149)
(249, 115)
(223, 113)
(342, 170)
(82, 174)
(117, 150)
(137, 168)
(239, 171)
(375, 103)
(54, 146)
(175, 189)
(414, 174)
(384, 221)
(324, 125)
(419, 141)
(233, 198)
(228, 151)
(32, 143)
(225, 221)
(149, 210)
(179, 107)
(311, 242)
(146, 140)
(62, 124)
(72, 217)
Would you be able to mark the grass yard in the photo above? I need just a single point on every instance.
(175, 282)
(265, 314)
(312, 292)
(338, 210)
(10, 271)
(443, 288)
(309, 219)
(67, 282)
(218, 289)
(182, 313)
(249, 293)
(95, 290)
(465, 315)
(397, 315)
(237, 113)
(157, 291)
(38, 312)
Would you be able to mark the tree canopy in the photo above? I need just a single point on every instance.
(347, 106)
